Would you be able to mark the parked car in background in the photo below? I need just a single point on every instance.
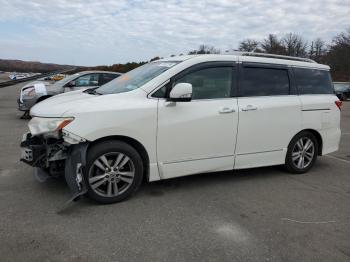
(16, 76)
(179, 116)
(342, 90)
(37, 91)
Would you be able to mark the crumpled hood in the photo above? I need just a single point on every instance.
(71, 103)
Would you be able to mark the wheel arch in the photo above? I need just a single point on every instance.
(317, 136)
(132, 142)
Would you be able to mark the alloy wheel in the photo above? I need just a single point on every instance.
(111, 174)
(303, 153)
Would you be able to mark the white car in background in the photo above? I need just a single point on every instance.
(38, 91)
(16, 76)
(185, 115)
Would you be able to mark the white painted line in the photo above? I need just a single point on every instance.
(308, 222)
(337, 158)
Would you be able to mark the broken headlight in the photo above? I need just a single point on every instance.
(41, 125)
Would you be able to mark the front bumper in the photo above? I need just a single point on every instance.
(55, 157)
(21, 106)
(26, 104)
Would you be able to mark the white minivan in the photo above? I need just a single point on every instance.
(185, 115)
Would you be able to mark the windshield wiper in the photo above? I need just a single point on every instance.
(92, 91)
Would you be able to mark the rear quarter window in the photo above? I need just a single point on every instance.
(313, 81)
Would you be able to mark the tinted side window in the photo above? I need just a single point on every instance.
(313, 81)
(87, 80)
(105, 78)
(258, 81)
(209, 83)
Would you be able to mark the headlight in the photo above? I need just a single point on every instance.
(29, 91)
(41, 125)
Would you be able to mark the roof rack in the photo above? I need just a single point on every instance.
(302, 59)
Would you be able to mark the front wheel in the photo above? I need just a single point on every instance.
(302, 153)
(113, 171)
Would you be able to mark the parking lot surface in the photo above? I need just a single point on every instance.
(262, 214)
(4, 77)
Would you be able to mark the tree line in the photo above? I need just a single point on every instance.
(336, 54)
(30, 66)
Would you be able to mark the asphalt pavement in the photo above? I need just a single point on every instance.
(262, 214)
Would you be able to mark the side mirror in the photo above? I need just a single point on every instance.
(70, 84)
(181, 92)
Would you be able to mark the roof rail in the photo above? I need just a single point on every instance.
(302, 59)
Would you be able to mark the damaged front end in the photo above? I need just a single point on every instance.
(56, 153)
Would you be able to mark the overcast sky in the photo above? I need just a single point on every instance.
(84, 32)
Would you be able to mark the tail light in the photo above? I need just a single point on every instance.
(338, 103)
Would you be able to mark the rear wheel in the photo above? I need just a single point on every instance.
(302, 153)
(113, 172)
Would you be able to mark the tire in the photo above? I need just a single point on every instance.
(299, 161)
(113, 172)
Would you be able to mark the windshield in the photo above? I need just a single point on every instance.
(135, 78)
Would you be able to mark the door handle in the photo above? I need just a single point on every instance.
(249, 108)
(226, 110)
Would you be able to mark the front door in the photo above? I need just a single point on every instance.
(200, 135)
